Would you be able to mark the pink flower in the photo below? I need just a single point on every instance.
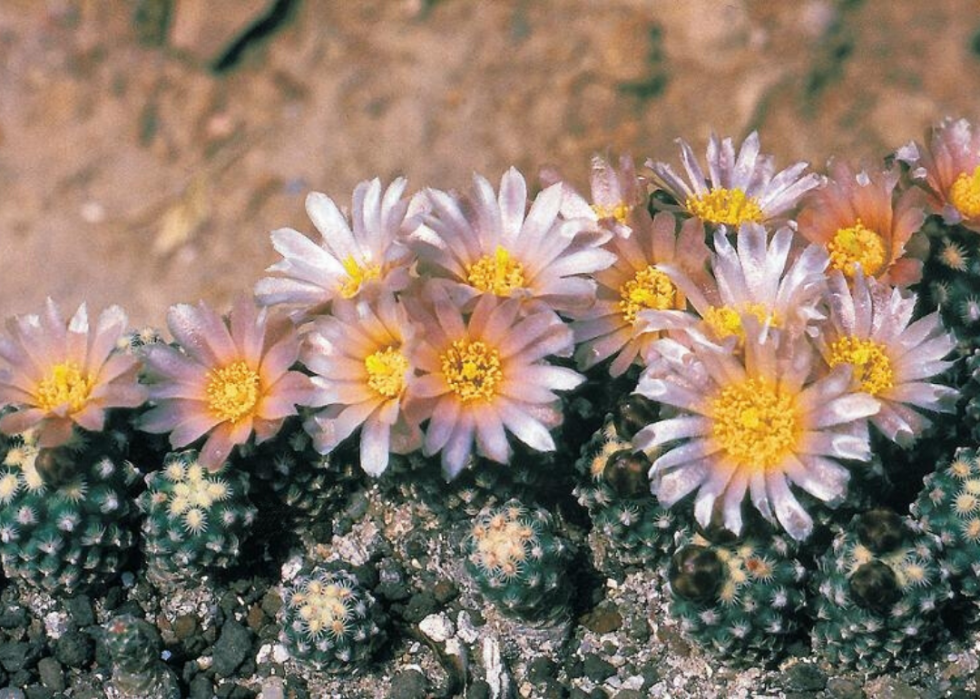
(359, 356)
(353, 258)
(893, 358)
(62, 374)
(948, 169)
(616, 194)
(485, 376)
(857, 218)
(493, 244)
(752, 424)
(615, 325)
(227, 380)
(738, 188)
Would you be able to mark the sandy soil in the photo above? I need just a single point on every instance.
(133, 172)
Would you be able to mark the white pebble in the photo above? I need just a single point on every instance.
(279, 653)
(438, 627)
(55, 624)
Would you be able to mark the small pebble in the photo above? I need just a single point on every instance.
(74, 649)
(602, 620)
(81, 610)
(201, 688)
(232, 647)
(804, 677)
(596, 668)
(437, 627)
(409, 684)
(51, 673)
(273, 688)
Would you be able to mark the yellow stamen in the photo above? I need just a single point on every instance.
(620, 211)
(472, 370)
(965, 193)
(857, 245)
(357, 276)
(756, 423)
(726, 321)
(232, 391)
(872, 368)
(649, 288)
(731, 207)
(498, 274)
(65, 384)
(386, 372)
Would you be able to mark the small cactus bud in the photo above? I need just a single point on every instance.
(55, 466)
(633, 413)
(880, 530)
(874, 586)
(626, 473)
(696, 573)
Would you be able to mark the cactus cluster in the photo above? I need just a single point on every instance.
(615, 490)
(305, 482)
(66, 513)
(948, 508)
(741, 600)
(194, 519)
(519, 562)
(330, 620)
(880, 588)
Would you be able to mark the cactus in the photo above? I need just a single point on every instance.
(137, 671)
(616, 492)
(195, 519)
(880, 589)
(330, 620)
(740, 600)
(66, 516)
(518, 562)
(948, 507)
(306, 483)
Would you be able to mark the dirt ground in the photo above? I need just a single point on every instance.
(147, 147)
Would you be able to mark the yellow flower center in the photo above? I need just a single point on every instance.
(386, 371)
(872, 368)
(65, 384)
(620, 211)
(756, 423)
(472, 370)
(498, 274)
(732, 207)
(232, 391)
(725, 321)
(857, 245)
(325, 608)
(649, 288)
(357, 276)
(965, 194)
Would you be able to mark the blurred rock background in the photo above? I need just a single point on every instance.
(147, 147)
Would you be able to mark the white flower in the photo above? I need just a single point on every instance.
(487, 244)
(750, 278)
(360, 360)
(870, 329)
(352, 258)
(752, 424)
(737, 190)
(485, 376)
